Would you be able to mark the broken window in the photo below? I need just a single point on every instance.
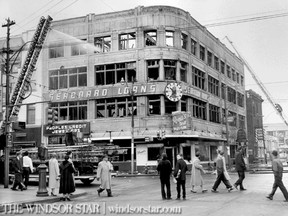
(184, 41)
(169, 38)
(170, 69)
(102, 44)
(153, 69)
(150, 38)
(127, 41)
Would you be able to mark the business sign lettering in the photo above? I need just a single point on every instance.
(61, 129)
(117, 90)
(100, 92)
(181, 121)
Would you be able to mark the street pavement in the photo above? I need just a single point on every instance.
(141, 195)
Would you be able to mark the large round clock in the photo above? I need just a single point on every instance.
(173, 91)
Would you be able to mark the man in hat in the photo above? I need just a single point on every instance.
(240, 168)
(27, 167)
(277, 168)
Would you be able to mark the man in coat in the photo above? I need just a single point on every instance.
(240, 168)
(220, 168)
(165, 169)
(180, 175)
(104, 174)
(18, 170)
(277, 168)
(54, 174)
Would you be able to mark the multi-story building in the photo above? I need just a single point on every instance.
(255, 134)
(150, 73)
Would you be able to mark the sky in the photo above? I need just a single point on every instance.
(261, 40)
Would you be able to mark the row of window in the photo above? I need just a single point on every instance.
(123, 107)
(128, 41)
(115, 73)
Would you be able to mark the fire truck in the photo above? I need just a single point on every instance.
(85, 158)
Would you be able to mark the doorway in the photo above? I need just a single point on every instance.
(170, 155)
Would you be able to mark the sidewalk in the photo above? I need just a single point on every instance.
(8, 196)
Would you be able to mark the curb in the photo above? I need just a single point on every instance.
(32, 202)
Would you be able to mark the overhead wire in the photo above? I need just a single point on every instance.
(30, 20)
(66, 7)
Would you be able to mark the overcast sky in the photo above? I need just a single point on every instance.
(262, 42)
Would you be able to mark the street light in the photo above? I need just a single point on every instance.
(132, 121)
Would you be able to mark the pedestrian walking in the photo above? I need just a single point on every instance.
(67, 185)
(277, 168)
(240, 168)
(165, 169)
(54, 174)
(196, 174)
(18, 173)
(27, 167)
(180, 176)
(104, 175)
(222, 174)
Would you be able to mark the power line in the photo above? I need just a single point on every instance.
(268, 83)
(66, 7)
(29, 22)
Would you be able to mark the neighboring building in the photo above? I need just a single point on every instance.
(89, 65)
(256, 141)
(280, 131)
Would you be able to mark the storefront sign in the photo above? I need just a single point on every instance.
(241, 136)
(118, 90)
(62, 129)
(100, 92)
(181, 121)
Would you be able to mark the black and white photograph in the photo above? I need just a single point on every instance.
(142, 107)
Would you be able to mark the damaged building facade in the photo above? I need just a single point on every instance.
(149, 73)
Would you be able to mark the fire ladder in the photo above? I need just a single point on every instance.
(23, 82)
(276, 106)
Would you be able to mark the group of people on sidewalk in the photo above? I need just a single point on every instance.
(61, 176)
(65, 174)
(179, 176)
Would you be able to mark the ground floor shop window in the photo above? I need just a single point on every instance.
(154, 153)
(187, 153)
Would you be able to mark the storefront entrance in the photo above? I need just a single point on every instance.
(171, 155)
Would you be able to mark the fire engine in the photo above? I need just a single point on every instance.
(85, 158)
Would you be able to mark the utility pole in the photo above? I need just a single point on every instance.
(7, 132)
(132, 128)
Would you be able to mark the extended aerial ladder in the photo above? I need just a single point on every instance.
(27, 70)
(276, 106)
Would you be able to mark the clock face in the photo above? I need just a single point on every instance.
(173, 92)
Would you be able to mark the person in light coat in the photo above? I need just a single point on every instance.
(54, 174)
(196, 174)
(221, 170)
(104, 175)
